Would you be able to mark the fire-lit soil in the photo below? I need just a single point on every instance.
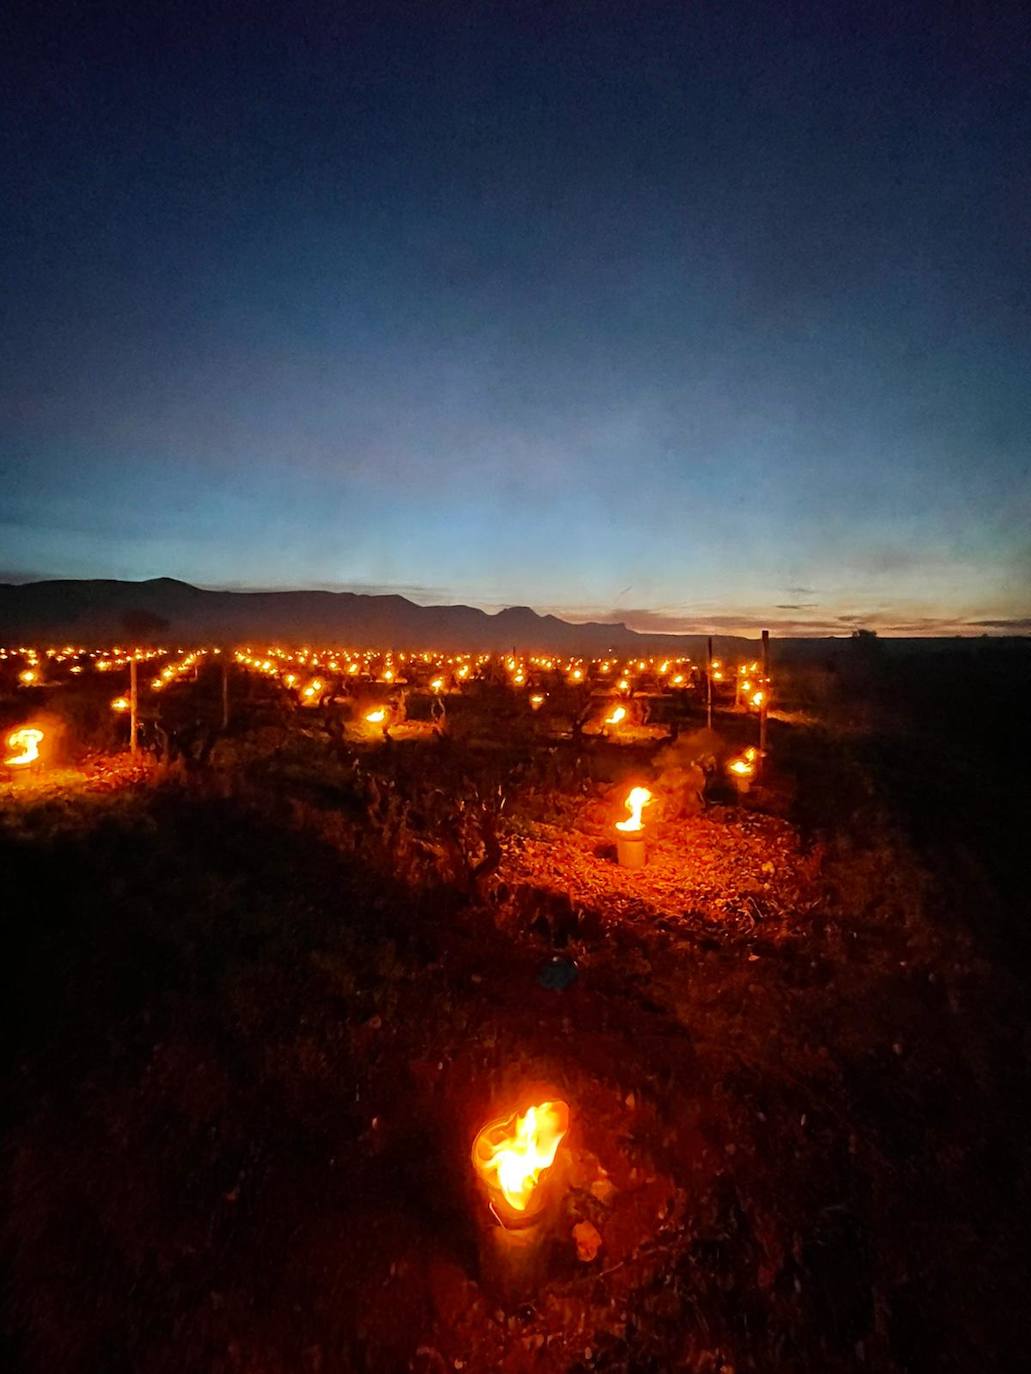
(258, 1026)
(722, 874)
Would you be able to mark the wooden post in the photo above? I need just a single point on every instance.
(708, 686)
(225, 694)
(133, 705)
(766, 696)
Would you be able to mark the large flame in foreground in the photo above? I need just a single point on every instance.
(511, 1155)
(27, 738)
(635, 803)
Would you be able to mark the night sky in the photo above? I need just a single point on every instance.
(693, 315)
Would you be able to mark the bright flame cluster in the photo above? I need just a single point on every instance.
(637, 800)
(27, 738)
(512, 1155)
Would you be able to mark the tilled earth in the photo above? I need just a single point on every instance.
(250, 1062)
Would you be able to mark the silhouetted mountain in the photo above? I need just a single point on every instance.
(165, 610)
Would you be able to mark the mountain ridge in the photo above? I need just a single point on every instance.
(97, 608)
(167, 609)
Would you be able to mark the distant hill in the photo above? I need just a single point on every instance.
(166, 609)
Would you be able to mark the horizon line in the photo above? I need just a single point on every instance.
(650, 621)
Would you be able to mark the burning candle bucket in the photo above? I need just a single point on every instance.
(514, 1245)
(630, 850)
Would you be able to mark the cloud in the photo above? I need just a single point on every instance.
(1020, 624)
(748, 621)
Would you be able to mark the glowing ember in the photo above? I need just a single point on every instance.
(120, 704)
(744, 767)
(27, 738)
(376, 717)
(635, 803)
(512, 1155)
(536, 701)
(618, 715)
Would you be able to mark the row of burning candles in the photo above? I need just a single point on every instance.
(388, 666)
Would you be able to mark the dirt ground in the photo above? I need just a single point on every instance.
(260, 1009)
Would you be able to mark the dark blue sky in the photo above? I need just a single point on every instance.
(695, 313)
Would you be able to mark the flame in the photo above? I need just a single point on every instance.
(758, 698)
(744, 767)
(437, 684)
(623, 684)
(678, 680)
(511, 1155)
(27, 738)
(619, 714)
(635, 803)
(120, 704)
(536, 700)
(28, 676)
(376, 717)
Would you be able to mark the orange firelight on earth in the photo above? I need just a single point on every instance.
(510, 1156)
(27, 738)
(635, 803)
